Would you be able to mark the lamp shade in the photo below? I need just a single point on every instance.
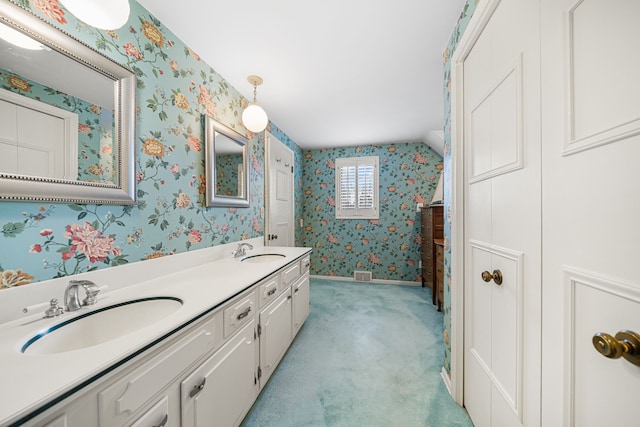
(254, 118)
(102, 14)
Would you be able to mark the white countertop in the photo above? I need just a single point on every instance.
(29, 381)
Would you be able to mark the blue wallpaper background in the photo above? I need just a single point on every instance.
(389, 247)
(39, 241)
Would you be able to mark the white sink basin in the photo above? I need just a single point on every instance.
(102, 325)
(262, 258)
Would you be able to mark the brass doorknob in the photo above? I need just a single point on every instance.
(625, 344)
(486, 276)
(496, 276)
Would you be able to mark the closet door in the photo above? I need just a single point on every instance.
(591, 154)
(503, 219)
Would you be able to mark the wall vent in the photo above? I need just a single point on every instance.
(362, 276)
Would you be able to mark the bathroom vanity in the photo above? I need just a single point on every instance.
(211, 337)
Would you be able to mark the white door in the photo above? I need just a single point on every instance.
(301, 306)
(503, 219)
(221, 391)
(275, 334)
(591, 200)
(37, 139)
(279, 197)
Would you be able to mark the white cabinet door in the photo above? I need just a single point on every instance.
(300, 303)
(221, 391)
(275, 336)
(591, 148)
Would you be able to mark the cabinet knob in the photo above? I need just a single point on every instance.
(197, 388)
(163, 422)
(496, 276)
(271, 292)
(244, 314)
(625, 344)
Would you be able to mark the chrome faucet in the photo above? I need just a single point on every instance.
(71, 299)
(240, 250)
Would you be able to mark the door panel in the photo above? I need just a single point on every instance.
(592, 377)
(591, 280)
(503, 219)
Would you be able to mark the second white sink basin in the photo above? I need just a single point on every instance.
(102, 325)
(262, 258)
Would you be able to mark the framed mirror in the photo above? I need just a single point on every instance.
(67, 116)
(227, 166)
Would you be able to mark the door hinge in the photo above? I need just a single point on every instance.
(259, 372)
(291, 169)
(255, 380)
(259, 329)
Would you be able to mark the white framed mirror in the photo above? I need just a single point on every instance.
(84, 152)
(227, 166)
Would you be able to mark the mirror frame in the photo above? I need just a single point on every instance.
(213, 199)
(35, 189)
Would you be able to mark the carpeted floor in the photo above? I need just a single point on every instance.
(368, 355)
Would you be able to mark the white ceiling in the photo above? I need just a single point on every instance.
(336, 73)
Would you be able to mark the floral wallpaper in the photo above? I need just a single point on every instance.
(461, 25)
(389, 247)
(39, 241)
(227, 174)
(95, 126)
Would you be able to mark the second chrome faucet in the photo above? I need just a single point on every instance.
(71, 294)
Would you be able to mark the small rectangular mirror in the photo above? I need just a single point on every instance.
(227, 166)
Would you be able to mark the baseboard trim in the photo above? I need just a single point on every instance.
(446, 380)
(380, 281)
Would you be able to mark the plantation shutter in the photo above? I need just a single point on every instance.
(357, 188)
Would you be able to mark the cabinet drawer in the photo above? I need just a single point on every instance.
(118, 402)
(290, 274)
(158, 415)
(269, 290)
(305, 265)
(238, 314)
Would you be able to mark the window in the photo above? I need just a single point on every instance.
(357, 188)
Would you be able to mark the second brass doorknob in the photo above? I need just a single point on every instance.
(496, 276)
(625, 344)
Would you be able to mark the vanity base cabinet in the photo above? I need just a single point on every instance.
(275, 334)
(221, 391)
(209, 374)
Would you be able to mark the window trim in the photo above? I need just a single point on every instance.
(357, 212)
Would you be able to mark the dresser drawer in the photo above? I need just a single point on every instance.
(238, 314)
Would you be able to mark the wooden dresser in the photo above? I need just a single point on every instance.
(432, 227)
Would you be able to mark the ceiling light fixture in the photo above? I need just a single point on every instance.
(19, 39)
(254, 118)
(102, 14)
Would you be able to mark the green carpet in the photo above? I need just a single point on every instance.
(368, 355)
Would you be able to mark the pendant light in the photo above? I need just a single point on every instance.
(102, 14)
(254, 118)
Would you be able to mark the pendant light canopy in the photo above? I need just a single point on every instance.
(102, 14)
(254, 118)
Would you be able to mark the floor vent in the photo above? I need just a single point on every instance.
(362, 276)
